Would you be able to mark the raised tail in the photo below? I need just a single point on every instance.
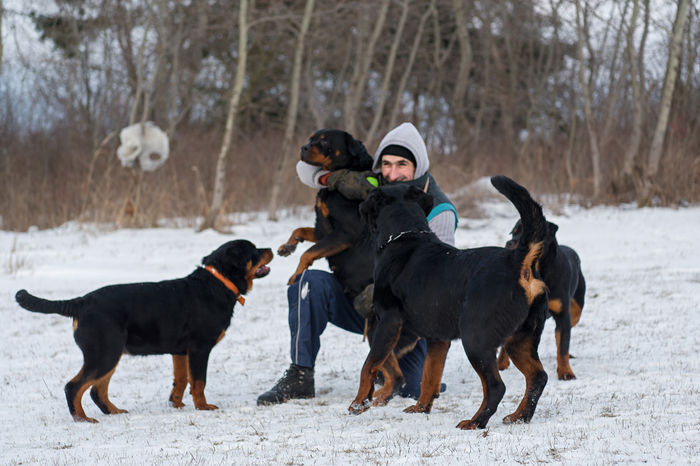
(68, 308)
(534, 231)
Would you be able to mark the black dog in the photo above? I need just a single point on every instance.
(487, 297)
(185, 317)
(560, 268)
(341, 236)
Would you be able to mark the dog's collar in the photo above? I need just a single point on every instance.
(403, 234)
(227, 283)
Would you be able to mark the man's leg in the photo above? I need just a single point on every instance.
(315, 299)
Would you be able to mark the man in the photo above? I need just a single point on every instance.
(317, 297)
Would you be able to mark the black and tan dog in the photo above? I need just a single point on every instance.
(486, 297)
(184, 317)
(341, 237)
(560, 268)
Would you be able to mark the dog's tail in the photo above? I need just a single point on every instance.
(68, 308)
(534, 232)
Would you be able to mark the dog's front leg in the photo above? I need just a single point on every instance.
(383, 343)
(198, 359)
(328, 246)
(298, 235)
(432, 376)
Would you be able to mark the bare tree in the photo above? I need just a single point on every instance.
(388, 71)
(287, 149)
(465, 65)
(657, 142)
(365, 55)
(637, 109)
(2, 13)
(233, 107)
(393, 116)
(587, 103)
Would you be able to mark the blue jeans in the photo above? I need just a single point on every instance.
(317, 298)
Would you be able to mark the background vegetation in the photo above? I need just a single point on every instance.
(596, 98)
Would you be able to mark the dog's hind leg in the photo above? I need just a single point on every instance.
(383, 342)
(100, 395)
(432, 376)
(522, 349)
(198, 360)
(484, 363)
(503, 359)
(180, 364)
(102, 347)
(393, 379)
(562, 334)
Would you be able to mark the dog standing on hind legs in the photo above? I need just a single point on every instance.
(487, 297)
(184, 317)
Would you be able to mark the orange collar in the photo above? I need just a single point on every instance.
(227, 283)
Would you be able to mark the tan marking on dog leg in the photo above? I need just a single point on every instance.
(392, 374)
(574, 312)
(564, 371)
(503, 359)
(100, 390)
(432, 376)
(200, 401)
(524, 357)
(555, 306)
(221, 337)
(180, 377)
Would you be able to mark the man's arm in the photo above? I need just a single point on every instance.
(443, 225)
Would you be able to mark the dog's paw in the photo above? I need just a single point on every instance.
(286, 249)
(207, 407)
(78, 418)
(418, 408)
(359, 408)
(469, 425)
(566, 375)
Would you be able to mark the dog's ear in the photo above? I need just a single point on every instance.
(369, 209)
(361, 160)
(423, 199)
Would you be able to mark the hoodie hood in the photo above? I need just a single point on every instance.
(405, 135)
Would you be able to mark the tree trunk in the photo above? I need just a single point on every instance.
(357, 86)
(588, 106)
(465, 65)
(388, 71)
(287, 149)
(637, 119)
(2, 13)
(393, 116)
(667, 93)
(220, 175)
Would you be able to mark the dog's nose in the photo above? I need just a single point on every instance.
(512, 244)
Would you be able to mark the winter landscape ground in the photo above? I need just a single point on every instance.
(636, 398)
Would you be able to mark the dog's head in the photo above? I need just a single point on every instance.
(241, 262)
(332, 149)
(402, 203)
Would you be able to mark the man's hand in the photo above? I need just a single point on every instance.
(351, 184)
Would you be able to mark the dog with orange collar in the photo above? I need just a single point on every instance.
(185, 317)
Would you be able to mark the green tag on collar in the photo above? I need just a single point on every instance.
(373, 181)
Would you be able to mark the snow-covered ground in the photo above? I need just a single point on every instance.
(637, 358)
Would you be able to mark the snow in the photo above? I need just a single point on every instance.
(636, 398)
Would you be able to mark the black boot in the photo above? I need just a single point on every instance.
(297, 382)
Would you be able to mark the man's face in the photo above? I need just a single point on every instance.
(395, 169)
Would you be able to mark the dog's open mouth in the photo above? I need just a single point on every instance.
(262, 271)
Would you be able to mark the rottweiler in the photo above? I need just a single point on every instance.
(560, 268)
(340, 235)
(487, 297)
(184, 317)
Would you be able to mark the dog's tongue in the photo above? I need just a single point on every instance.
(262, 271)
